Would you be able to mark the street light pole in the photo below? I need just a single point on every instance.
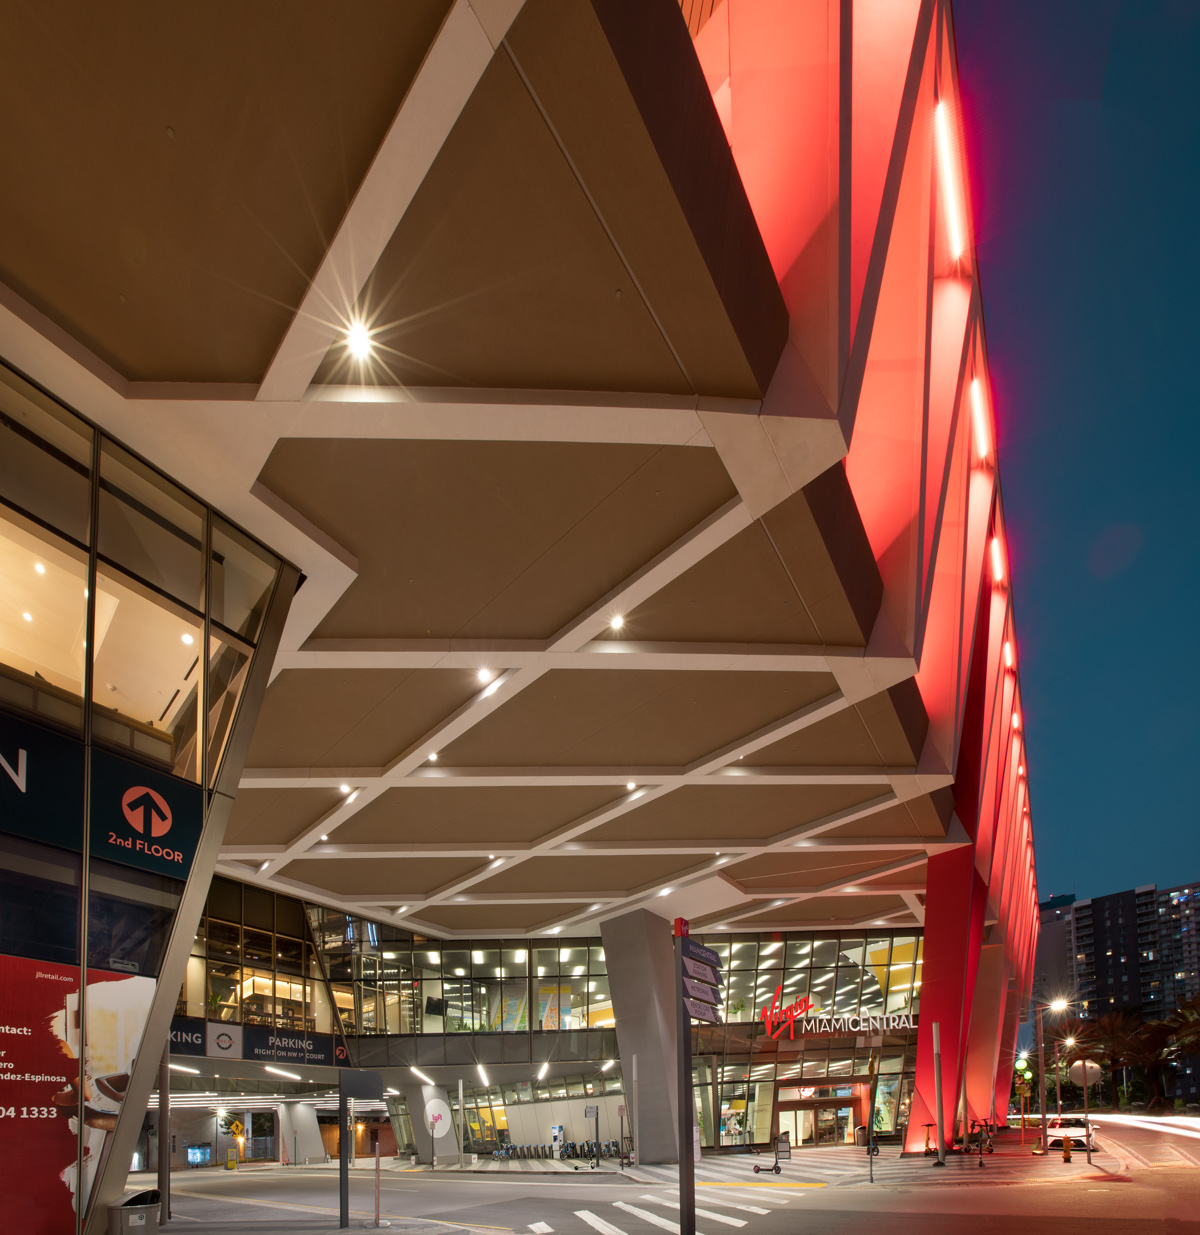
(1042, 1078)
(1057, 1081)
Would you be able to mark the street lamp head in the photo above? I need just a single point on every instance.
(1069, 1042)
(1058, 1005)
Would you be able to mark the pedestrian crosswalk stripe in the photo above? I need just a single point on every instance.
(717, 1200)
(704, 1213)
(598, 1223)
(540, 1228)
(762, 1197)
(647, 1216)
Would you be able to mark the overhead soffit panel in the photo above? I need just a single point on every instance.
(585, 875)
(885, 730)
(918, 817)
(811, 868)
(276, 816)
(183, 258)
(622, 717)
(463, 918)
(489, 539)
(547, 249)
(803, 573)
(372, 878)
(727, 812)
(827, 912)
(466, 815)
(352, 718)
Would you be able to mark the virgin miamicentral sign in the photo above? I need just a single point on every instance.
(792, 1017)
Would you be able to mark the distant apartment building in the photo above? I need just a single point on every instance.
(1129, 951)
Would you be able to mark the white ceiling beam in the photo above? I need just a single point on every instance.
(444, 83)
(913, 901)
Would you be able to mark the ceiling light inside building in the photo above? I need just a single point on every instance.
(344, 788)
(358, 340)
(617, 622)
(420, 1075)
(325, 837)
(482, 1074)
(27, 616)
(543, 1070)
(402, 909)
(484, 675)
(187, 639)
(292, 1076)
(608, 1063)
(178, 1067)
(665, 892)
(39, 568)
(433, 757)
(630, 786)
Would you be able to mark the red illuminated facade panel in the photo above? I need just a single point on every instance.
(844, 120)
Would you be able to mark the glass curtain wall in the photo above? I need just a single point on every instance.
(385, 980)
(129, 613)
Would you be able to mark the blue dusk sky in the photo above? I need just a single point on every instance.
(1082, 122)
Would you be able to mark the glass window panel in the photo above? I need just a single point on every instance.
(743, 954)
(515, 962)
(824, 951)
(485, 962)
(291, 1011)
(839, 1062)
(228, 664)
(146, 693)
(871, 1002)
(130, 914)
(720, 945)
(200, 939)
(39, 902)
(43, 621)
(596, 961)
(258, 997)
(372, 1015)
(771, 954)
(429, 962)
(224, 941)
(289, 916)
(600, 1009)
(851, 949)
(799, 953)
(243, 575)
(258, 948)
(289, 955)
(45, 458)
(816, 1062)
(258, 908)
(546, 962)
(849, 982)
(456, 963)
(193, 993)
(343, 1002)
(795, 985)
(572, 962)
(224, 988)
(150, 527)
(224, 900)
(821, 988)
(320, 1014)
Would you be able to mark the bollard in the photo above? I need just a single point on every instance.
(1066, 1149)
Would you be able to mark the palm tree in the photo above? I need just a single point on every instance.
(1185, 1021)
(1151, 1048)
(1110, 1035)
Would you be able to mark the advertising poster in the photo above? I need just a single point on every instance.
(508, 1007)
(40, 1105)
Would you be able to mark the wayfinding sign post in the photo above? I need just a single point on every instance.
(697, 997)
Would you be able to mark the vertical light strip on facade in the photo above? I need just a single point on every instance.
(943, 138)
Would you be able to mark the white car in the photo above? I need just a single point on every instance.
(1069, 1125)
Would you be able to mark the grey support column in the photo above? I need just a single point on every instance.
(431, 1119)
(641, 976)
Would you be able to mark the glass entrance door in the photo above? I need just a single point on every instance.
(834, 1125)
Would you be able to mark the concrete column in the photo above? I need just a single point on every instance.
(300, 1132)
(983, 1039)
(423, 1105)
(641, 976)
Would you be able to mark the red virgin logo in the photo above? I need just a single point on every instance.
(146, 811)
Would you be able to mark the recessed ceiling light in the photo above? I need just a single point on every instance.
(433, 757)
(665, 892)
(39, 568)
(324, 837)
(187, 639)
(402, 909)
(264, 866)
(27, 616)
(630, 786)
(484, 675)
(617, 622)
(344, 788)
(358, 340)
(554, 930)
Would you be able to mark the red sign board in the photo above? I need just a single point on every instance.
(778, 1019)
(39, 1082)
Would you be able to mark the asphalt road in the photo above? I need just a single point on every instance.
(1153, 1191)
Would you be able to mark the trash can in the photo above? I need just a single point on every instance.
(860, 1135)
(136, 1212)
